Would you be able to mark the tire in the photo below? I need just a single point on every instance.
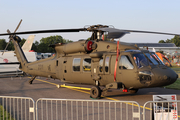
(30, 82)
(133, 90)
(95, 92)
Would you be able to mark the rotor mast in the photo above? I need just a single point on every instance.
(96, 33)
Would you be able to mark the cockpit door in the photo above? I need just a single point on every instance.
(127, 72)
(106, 69)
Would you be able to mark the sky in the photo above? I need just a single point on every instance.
(148, 15)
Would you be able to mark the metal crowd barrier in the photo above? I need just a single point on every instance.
(17, 108)
(73, 109)
(161, 110)
(24, 108)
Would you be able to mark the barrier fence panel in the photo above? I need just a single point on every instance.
(161, 110)
(17, 108)
(23, 108)
(72, 109)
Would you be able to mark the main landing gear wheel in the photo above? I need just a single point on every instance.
(95, 92)
(30, 82)
(133, 90)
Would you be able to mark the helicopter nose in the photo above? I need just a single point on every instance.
(164, 76)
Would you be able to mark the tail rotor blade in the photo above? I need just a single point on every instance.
(6, 47)
(9, 40)
(10, 32)
(18, 26)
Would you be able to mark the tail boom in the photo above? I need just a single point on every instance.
(19, 52)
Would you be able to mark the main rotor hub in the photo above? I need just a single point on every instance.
(96, 27)
(97, 34)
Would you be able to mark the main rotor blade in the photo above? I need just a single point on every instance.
(46, 31)
(116, 33)
(10, 63)
(18, 26)
(151, 32)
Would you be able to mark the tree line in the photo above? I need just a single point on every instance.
(175, 40)
(42, 46)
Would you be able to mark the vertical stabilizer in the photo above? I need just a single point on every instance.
(19, 53)
(28, 44)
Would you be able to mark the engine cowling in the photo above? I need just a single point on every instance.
(84, 46)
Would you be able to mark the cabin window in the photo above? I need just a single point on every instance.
(107, 64)
(101, 65)
(76, 64)
(125, 63)
(87, 65)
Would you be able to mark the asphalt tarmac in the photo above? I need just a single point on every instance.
(47, 88)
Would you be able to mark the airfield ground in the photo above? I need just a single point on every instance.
(47, 88)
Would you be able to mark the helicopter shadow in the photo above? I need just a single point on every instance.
(141, 92)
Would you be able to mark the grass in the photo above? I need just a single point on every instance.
(4, 115)
(177, 70)
(175, 85)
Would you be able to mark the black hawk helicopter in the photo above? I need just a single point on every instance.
(96, 62)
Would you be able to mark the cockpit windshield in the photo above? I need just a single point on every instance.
(152, 59)
(157, 58)
(146, 59)
(140, 60)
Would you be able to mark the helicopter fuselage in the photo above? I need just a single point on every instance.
(97, 62)
(98, 67)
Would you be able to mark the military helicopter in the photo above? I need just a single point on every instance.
(111, 64)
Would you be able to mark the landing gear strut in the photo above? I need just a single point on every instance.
(31, 80)
(95, 92)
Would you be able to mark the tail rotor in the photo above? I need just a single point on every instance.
(11, 35)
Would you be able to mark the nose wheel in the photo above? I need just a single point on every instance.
(95, 92)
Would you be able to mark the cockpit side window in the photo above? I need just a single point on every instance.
(87, 65)
(125, 63)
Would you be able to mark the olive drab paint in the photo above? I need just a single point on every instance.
(93, 62)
